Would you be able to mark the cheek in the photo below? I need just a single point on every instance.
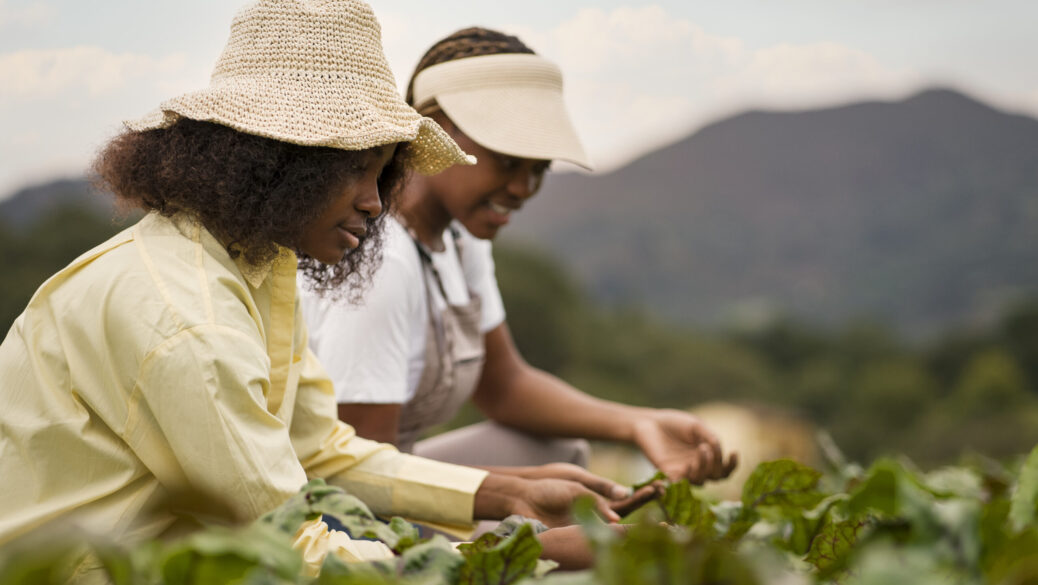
(467, 187)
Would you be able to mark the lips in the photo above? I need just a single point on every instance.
(353, 233)
(357, 230)
(498, 208)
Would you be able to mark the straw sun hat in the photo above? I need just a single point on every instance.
(311, 72)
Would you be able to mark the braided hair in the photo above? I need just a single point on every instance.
(469, 42)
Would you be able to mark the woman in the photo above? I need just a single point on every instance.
(164, 376)
(432, 333)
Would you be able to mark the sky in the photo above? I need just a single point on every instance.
(638, 75)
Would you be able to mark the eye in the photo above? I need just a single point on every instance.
(508, 164)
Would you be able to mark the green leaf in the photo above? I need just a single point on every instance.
(434, 557)
(335, 571)
(783, 483)
(804, 528)
(313, 499)
(220, 555)
(681, 507)
(958, 482)
(495, 561)
(317, 498)
(39, 565)
(658, 476)
(598, 532)
(407, 534)
(833, 543)
(741, 524)
(878, 492)
(1025, 496)
(512, 523)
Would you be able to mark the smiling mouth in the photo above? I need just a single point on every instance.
(498, 208)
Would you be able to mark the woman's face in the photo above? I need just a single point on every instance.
(483, 196)
(344, 223)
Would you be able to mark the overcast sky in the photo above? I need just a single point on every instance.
(638, 74)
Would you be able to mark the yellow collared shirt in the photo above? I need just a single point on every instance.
(155, 373)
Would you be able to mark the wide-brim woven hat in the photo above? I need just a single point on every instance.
(311, 72)
(509, 103)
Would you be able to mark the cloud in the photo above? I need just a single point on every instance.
(35, 74)
(639, 76)
(597, 41)
(31, 16)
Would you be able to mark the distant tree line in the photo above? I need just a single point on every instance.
(965, 392)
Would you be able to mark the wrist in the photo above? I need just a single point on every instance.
(636, 425)
(498, 497)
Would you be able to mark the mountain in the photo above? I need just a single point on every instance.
(921, 213)
(26, 205)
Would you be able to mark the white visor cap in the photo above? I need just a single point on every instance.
(510, 103)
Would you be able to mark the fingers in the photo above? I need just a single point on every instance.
(601, 485)
(605, 509)
(638, 498)
(702, 465)
(712, 458)
(730, 465)
(605, 487)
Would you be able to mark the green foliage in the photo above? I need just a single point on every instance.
(1025, 498)
(32, 254)
(785, 484)
(971, 391)
(833, 544)
(319, 499)
(498, 560)
(890, 523)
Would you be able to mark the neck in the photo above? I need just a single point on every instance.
(422, 213)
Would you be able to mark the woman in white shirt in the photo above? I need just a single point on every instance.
(431, 333)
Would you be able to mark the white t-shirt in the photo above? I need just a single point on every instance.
(374, 351)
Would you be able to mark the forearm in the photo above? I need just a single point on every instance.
(539, 403)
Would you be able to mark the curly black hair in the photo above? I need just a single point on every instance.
(250, 192)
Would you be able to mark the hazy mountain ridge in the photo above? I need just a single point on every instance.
(27, 205)
(921, 213)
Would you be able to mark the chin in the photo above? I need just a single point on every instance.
(483, 232)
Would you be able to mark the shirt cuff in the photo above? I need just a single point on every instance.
(394, 483)
(444, 493)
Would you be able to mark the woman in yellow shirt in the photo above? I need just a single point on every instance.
(165, 375)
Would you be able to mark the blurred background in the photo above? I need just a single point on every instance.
(806, 215)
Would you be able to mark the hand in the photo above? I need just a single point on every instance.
(621, 499)
(596, 483)
(681, 446)
(551, 501)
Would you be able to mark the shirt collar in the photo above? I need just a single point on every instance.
(256, 274)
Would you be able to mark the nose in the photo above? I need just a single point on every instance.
(524, 182)
(369, 200)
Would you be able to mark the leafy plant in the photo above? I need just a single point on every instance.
(793, 525)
